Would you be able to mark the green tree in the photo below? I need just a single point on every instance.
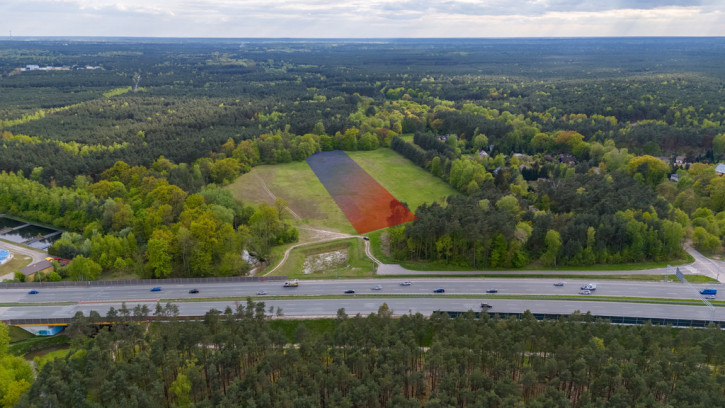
(552, 243)
(651, 168)
(181, 388)
(16, 375)
(704, 240)
(718, 145)
(368, 141)
(84, 269)
(159, 258)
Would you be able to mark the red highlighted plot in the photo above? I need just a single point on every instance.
(366, 204)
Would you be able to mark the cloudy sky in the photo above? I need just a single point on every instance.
(362, 18)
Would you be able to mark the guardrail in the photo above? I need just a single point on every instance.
(59, 321)
(630, 320)
(148, 282)
(539, 316)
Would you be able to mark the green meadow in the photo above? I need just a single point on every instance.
(307, 197)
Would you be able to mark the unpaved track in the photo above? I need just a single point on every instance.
(274, 197)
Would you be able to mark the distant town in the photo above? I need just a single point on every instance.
(32, 67)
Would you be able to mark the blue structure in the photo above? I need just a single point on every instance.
(4, 254)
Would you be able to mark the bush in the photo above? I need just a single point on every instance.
(54, 277)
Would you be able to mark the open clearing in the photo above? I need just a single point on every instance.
(297, 184)
(306, 196)
(319, 215)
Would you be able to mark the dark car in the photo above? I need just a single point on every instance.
(491, 290)
(349, 291)
(559, 284)
(194, 291)
(156, 289)
(486, 306)
(366, 238)
(438, 290)
(33, 292)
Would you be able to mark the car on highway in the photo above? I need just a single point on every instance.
(193, 290)
(710, 297)
(438, 290)
(349, 291)
(486, 306)
(491, 290)
(261, 292)
(156, 289)
(559, 284)
(33, 292)
(585, 292)
(406, 283)
(377, 287)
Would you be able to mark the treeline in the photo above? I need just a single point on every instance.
(133, 220)
(195, 96)
(581, 220)
(238, 358)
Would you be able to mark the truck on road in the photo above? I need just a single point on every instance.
(291, 284)
(708, 291)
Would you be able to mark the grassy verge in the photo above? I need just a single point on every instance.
(119, 275)
(37, 304)
(37, 343)
(357, 264)
(434, 266)
(638, 277)
(18, 334)
(376, 246)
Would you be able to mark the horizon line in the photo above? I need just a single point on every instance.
(65, 37)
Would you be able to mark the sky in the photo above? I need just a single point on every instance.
(362, 18)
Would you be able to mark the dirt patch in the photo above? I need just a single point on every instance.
(324, 261)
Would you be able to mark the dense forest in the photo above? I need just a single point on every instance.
(562, 150)
(240, 358)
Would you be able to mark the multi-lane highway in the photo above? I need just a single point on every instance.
(338, 287)
(101, 298)
(329, 307)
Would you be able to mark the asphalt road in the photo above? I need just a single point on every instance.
(420, 286)
(364, 306)
(102, 298)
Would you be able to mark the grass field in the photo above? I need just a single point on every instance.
(298, 185)
(403, 179)
(19, 261)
